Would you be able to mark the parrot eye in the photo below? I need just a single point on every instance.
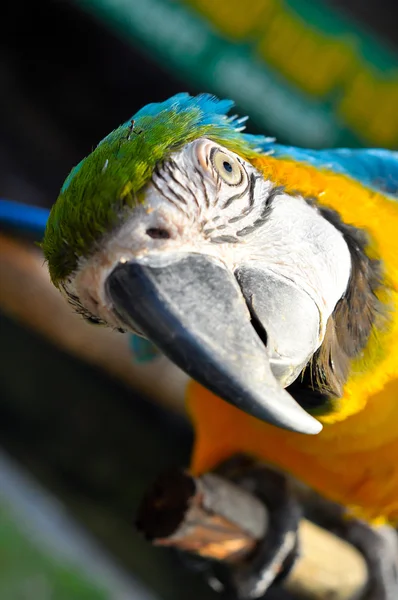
(227, 167)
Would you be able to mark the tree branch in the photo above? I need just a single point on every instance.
(214, 518)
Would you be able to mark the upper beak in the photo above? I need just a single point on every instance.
(193, 309)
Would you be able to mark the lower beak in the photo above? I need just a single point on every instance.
(192, 308)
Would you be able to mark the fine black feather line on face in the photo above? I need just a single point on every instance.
(171, 167)
(162, 193)
(168, 166)
(203, 187)
(78, 308)
(248, 210)
(244, 214)
(276, 191)
(246, 230)
(231, 199)
(187, 186)
(223, 239)
(160, 174)
(253, 181)
(266, 207)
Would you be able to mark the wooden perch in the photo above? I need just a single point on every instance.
(203, 516)
(214, 518)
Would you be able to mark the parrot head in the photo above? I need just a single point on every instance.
(169, 230)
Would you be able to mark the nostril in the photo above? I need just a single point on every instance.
(157, 233)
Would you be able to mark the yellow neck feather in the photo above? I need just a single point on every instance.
(377, 214)
(353, 460)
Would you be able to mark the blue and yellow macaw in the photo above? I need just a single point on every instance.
(268, 273)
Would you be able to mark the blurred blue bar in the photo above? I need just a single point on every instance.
(26, 217)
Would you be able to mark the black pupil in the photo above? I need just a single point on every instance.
(227, 166)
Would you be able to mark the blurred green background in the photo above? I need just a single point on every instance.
(77, 449)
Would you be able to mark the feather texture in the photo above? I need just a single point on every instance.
(95, 195)
(373, 167)
(353, 460)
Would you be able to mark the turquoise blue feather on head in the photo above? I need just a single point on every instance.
(98, 192)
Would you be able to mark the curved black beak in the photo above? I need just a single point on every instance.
(192, 308)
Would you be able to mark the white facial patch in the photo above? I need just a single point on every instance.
(206, 199)
(299, 244)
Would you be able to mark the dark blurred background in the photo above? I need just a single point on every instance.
(310, 73)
